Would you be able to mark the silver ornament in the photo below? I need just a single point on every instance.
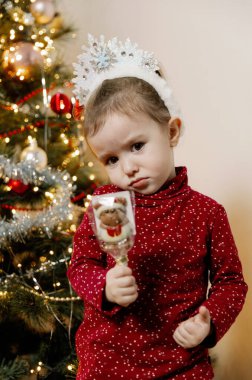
(34, 155)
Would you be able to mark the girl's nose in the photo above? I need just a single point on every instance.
(129, 166)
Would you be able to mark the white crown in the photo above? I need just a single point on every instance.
(114, 59)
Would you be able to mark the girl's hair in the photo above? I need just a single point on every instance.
(128, 96)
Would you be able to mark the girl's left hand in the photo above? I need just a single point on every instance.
(194, 330)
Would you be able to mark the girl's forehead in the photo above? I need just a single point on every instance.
(129, 117)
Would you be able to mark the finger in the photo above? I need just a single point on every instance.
(132, 290)
(179, 339)
(204, 314)
(121, 271)
(189, 327)
(126, 281)
(127, 300)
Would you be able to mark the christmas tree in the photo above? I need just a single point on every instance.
(47, 177)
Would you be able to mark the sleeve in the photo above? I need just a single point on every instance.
(228, 289)
(87, 270)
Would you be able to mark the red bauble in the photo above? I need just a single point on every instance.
(61, 104)
(17, 186)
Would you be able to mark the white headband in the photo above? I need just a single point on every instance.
(114, 59)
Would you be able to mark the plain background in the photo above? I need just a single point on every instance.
(206, 53)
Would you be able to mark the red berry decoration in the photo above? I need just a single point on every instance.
(61, 104)
(17, 186)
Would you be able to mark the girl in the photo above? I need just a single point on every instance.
(156, 318)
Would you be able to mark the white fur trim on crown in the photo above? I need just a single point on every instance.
(113, 59)
(102, 208)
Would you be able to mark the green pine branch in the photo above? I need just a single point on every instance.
(13, 370)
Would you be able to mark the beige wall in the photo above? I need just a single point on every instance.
(205, 47)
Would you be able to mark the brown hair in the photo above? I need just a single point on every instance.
(126, 95)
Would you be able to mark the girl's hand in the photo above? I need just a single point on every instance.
(193, 331)
(121, 286)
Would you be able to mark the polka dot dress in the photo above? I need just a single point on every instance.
(183, 241)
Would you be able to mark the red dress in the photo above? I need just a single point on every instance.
(183, 239)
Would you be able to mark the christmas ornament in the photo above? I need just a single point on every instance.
(61, 104)
(22, 60)
(43, 11)
(34, 155)
(18, 186)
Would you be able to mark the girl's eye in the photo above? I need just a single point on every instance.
(111, 161)
(137, 146)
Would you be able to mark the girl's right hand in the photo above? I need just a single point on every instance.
(121, 286)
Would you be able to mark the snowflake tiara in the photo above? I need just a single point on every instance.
(103, 60)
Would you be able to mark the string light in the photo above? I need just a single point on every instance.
(76, 153)
(73, 228)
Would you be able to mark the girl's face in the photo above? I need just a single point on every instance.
(136, 152)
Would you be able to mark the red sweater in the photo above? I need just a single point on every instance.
(182, 236)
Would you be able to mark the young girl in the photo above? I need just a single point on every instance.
(155, 318)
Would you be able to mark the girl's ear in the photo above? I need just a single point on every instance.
(174, 130)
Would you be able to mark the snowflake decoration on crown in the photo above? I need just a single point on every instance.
(104, 60)
(102, 54)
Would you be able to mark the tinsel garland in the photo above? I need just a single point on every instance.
(45, 220)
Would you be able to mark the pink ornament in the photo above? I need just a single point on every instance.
(43, 11)
(22, 60)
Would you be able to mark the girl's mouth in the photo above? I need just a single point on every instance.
(139, 183)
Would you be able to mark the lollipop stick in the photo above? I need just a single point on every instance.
(122, 258)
